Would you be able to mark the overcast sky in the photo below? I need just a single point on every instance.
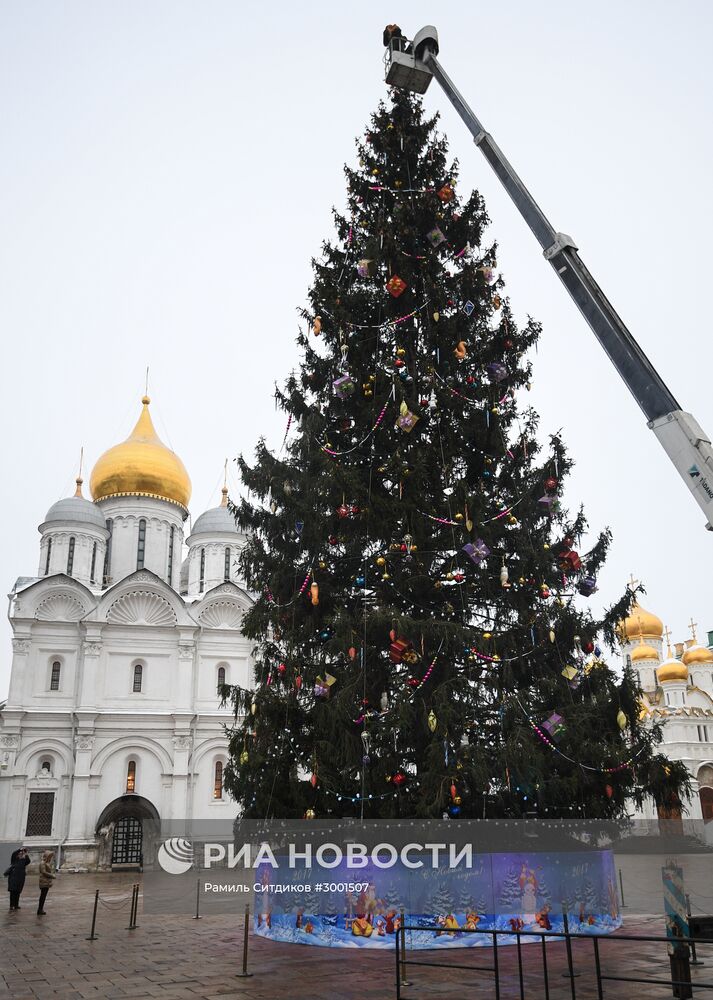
(168, 170)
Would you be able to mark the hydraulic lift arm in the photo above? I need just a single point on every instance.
(412, 65)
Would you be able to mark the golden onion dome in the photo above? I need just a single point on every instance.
(643, 652)
(141, 466)
(672, 670)
(698, 656)
(640, 623)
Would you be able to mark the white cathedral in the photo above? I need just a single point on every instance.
(113, 718)
(678, 694)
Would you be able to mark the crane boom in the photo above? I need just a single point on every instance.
(412, 65)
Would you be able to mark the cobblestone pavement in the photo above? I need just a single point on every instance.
(177, 957)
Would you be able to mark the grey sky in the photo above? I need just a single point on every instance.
(168, 169)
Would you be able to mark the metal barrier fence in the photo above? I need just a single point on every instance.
(680, 980)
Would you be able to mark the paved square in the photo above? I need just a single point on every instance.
(176, 957)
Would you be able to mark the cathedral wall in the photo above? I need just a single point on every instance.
(126, 514)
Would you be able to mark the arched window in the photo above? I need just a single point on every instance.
(141, 546)
(107, 553)
(93, 567)
(131, 776)
(169, 572)
(49, 553)
(201, 579)
(54, 676)
(221, 677)
(218, 782)
(70, 556)
(138, 677)
(226, 574)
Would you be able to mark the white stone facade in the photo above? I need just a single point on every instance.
(113, 717)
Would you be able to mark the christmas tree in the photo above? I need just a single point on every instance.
(423, 640)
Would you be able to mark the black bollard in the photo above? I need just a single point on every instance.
(621, 887)
(92, 935)
(244, 974)
(680, 972)
(197, 915)
(695, 960)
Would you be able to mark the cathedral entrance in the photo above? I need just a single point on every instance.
(127, 830)
(128, 842)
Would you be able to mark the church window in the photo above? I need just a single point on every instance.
(49, 553)
(70, 556)
(138, 678)
(107, 553)
(54, 676)
(221, 677)
(226, 575)
(169, 573)
(94, 563)
(39, 814)
(141, 547)
(201, 580)
(131, 776)
(218, 782)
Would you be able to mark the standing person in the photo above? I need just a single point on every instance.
(15, 874)
(47, 877)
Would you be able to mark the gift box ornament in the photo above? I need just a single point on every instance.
(468, 307)
(569, 673)
(570, 561)
(322, 686)
(446, 193)
(588, 586)
(406, 420)
(398, 648)
(435, 237)
(496, 371)
(365, 268)
(395, 286)
(343, 386)
(477, 551)
(554, 725)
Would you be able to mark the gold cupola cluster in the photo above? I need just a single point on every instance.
(141, 466)
(640, 623)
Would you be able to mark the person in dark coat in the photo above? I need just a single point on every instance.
(15, 875)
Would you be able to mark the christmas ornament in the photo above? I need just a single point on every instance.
(497, 302)
(395, 286)
(554, 725)
(253, 708)
(384, 703)
(244, 757)
(406, 420)
(310, 814)
(496, 371)
(343, 386)
(322, 685)
(432, 721)
(435, 237)
(570, 561)
(489, 274)
(365, 268)
(454, 810)
(352, 653)
(569, 673)
(397, 649)
(446, 193)
(399, 779)
(317, 325)
(342, 511)
(504, 576)
(609, 790)
(325, 634)
(314, 593)
(436, 316)
(621, 719)
(550, 484)
(461, 351)
(468, 307)
(587, 586)
(477, 551)
(313, 780)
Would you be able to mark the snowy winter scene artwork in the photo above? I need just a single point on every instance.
(449, 908)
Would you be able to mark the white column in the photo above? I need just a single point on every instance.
(80, 824)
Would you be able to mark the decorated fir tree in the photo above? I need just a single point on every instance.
(423, 639)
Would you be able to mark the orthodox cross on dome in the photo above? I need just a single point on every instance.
(224, 491)
(633, 584)
(79, 480)
(667, 632)
(692, 626)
